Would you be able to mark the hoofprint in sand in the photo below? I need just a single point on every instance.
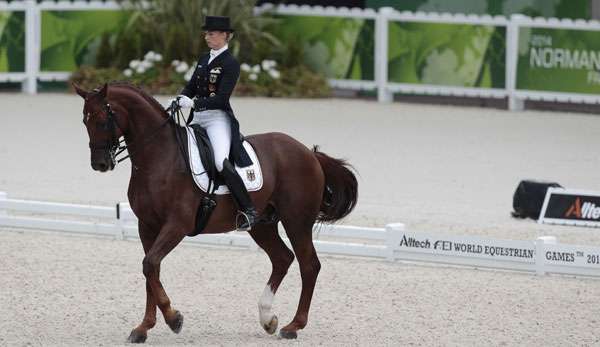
(436, 169)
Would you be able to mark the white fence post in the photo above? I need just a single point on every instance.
(512, 54)
(32, 46)
(393, 236)
(540, 253)
(3, 197)
(381, 54)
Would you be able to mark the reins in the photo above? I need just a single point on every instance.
(116, 146)
(177, 116)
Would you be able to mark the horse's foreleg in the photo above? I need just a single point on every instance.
(167, 239)
(281, 257)
(140, 333)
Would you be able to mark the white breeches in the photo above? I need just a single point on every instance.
(218, 127)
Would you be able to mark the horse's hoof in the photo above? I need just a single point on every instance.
(271, 327)
(137, 337)
(177, 323)
(288, 334)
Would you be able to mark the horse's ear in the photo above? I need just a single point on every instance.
(103, 91)
(80, 90)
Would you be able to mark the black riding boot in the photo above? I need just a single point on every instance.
(247, 216)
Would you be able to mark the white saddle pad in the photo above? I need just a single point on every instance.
(251, 175)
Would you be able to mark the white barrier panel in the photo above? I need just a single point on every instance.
(129, 222)
(465, 250)
(571, 259)
(541, 256)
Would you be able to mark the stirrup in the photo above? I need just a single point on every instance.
(243, 222)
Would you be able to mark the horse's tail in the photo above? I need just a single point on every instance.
(341, 188)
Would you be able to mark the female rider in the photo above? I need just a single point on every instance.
(207, 93)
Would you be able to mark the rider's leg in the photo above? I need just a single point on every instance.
(247, 217)
(218, 129)
(219, 132)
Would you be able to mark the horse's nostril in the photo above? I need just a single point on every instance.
(100, 166)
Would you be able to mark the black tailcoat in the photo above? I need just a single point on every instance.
(211, 86)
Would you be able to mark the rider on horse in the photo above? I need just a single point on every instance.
(207, 93)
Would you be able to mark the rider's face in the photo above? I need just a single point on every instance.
(215, 39)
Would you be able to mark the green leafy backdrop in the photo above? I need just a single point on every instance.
(337, 47)
(71, 38)
(12, 41)
(446, 54)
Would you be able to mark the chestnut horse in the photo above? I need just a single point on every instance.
(300, 188)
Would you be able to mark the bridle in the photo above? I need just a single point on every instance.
(115, 146)
(112, 146)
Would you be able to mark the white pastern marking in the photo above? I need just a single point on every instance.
(265, 304)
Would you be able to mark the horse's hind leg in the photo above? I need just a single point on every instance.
(140, 333)
(299, 232)
(266, 236)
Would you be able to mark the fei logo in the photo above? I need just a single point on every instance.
(586, 211)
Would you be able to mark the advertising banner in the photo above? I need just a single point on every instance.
(559, 60)
(462, 55)
(467, 246)
(571, 207)
(12, 41)
(572, 256)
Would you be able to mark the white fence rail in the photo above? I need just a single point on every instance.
(385, 89)
(393, 243)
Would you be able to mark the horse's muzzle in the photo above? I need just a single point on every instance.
(102, 161)
(102, 167)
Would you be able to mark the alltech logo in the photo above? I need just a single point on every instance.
(583, 210)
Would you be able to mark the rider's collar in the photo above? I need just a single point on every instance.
(215, 53)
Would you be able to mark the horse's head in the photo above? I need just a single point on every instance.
(103, 127)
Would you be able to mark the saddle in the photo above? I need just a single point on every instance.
(200, 159)
(201, 163)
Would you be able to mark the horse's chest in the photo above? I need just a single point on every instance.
(141, 204)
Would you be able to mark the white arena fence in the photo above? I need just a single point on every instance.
(540, 256)
(385, 89)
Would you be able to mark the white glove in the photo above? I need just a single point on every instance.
(185, 102)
